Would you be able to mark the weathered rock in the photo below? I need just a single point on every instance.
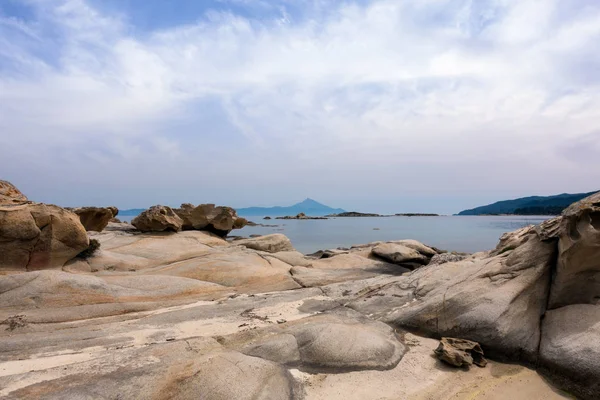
(460, 352)
(270, 243)
(95, 218)
(446, 258)
(9, 194)
(399, 254)
(338, 340)
(577, 276)
(497, 301)
(158, 219)
(219, 220)
(418, 246)
(39, 236)
(570, 348)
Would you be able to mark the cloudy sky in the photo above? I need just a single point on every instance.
(381, 105)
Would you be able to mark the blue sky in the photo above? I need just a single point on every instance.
(386, 106)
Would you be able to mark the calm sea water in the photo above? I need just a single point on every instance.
(454, 233)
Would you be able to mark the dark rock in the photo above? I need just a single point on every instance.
(460, 352)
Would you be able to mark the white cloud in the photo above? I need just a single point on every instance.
(443, 86)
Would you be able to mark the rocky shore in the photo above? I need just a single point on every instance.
(167, 308)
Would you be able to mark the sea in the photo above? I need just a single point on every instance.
(453, 233)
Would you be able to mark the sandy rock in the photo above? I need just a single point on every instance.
(294, 258)
(570, 348)
(39, 236)
(399, 254)
(9, 194)
(219, 220)
(460, 352)
(158, 219)
(496, 301)
(95, 218)
(270, 243)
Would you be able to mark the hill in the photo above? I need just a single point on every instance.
(533, 205)
(308, 207)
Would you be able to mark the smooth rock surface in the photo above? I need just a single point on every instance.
(270, 243)
(570, 347)
(399, 254)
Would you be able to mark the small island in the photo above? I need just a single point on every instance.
(300, 216)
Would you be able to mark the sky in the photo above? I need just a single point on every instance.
(376, 106)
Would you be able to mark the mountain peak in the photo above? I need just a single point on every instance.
(309, 201)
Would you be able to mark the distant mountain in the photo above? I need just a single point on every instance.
(534, 205)
(132, 212)
(308, 207)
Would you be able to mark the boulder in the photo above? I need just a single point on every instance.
(39, 236)
(570, 348)
(158, 219)
(9, 194)
(219, 220)
(95, 218)
(400, 254)
(270, 243)
(418, 246)
(497, 301)
(577, 276)
(460, 353)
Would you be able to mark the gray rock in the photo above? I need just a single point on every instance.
(400, 254)
(577, 277)
(496, 301)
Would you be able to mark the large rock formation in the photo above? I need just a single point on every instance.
(96, 218)
(9, 194)
(158, 219)
(39, 236)
(577, 276)
(219, 220)
(496, 301)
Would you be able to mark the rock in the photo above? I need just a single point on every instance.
(231, 375)
(270, 243)
(496, 301)
(267, 217)
(446, 258)
(570, 348)
(577, 277)
(39, 236)
(418, 246)
(95, 218)
(300, 216)
(338, 340)
(399, 254)
(158, 219)
(9, 194)
(219, 220)
(460, 352)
